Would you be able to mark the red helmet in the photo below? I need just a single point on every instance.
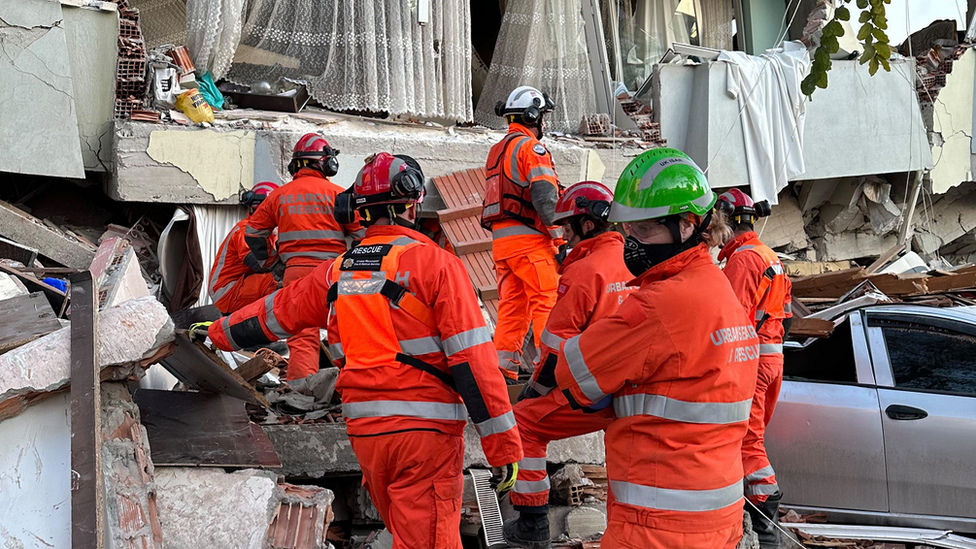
(590, 198)
(313, 151)
(736, 203)
(258, 193)
(389, 179)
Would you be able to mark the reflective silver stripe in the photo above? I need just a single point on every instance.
(761, 489)
(539, 388)
(491, 209)
(531, 486)
(718, 413)
(359, 235)
(552, 341)
(254, 232)
(496, 425)
(508, 360)
(770, 349)
(420, 346)
(760, 313)
(745, 247)
(225, 326)
(581, 372)
(513, 162)
(313, 255)
(216, 294)
(336, 351)
(787, 307)
(532, 464)
(765, 472)
(289, 236)
(271, 320)
(402, 241)
(777, 268)
(656, 168)
(405, 408)
(465, 340)
(514, 230)
(361, 286)
(539, 172)
(667, 499)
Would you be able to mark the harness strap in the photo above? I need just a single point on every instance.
(444, 377)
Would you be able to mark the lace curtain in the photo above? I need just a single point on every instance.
(161, 21)
(542, 44)
(362, 55)
(213, 30)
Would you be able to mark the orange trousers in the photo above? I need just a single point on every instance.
(526, 293)
(541, 420)
(415, 481)
(760, 479)
(303, 347)
(248, 289)
(636, 534)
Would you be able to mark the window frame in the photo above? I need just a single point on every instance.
(879, 348)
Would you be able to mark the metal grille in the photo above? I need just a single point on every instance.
(491, 515)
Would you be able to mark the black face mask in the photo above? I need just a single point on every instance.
(640, 257)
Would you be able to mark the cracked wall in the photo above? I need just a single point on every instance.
(38, 128)
(220, 162)
(92, 50)
(952, 126)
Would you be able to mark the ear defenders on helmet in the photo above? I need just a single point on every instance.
(408, 183)
(762, 208)
(531, 114)
(598, 209)
(328, 161)
(344, 210)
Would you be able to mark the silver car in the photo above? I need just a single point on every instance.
(877, 423)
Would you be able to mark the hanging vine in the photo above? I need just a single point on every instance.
(871, 35)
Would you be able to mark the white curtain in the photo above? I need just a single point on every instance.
(541, 43)
(363, 55)
(645, 31)
(213, 31)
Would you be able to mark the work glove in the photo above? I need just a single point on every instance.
(278, 272)
(527, 392)
(198, 331)
(503, 478)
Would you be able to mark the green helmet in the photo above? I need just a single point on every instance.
(659, 183)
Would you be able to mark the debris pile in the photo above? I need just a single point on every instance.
(643, 132)
(130, 85)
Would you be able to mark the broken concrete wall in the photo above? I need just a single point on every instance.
(49, 241)
(91, 38)
(156, 163)
(945, 219)
(131, 513)
(35, 476)
(952, 126)
(128, 335)
(37, 103)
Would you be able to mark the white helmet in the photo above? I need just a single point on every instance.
(525, 102)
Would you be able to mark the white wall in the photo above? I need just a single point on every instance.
(35, 476)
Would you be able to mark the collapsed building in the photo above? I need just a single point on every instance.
(104, 173)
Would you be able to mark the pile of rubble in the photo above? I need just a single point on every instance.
(644, 132)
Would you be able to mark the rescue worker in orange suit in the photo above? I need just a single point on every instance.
(519, 209)
(237, 278)
(679, 358)
(308, 233)
(592, 285)
(762, 286)
(415, 354)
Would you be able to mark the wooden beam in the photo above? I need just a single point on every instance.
(460, 212)
(811, 327)
(472, 246)
(57, 298)
(87, 492)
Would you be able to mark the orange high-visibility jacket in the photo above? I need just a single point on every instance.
(680, 359)
(762, 286)
(515, 165)
(397, 292)
(593, 283)
(236, 260)
(302, 210)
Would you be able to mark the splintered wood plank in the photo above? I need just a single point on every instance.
(197, 366)
(811, 327)
(24, 319)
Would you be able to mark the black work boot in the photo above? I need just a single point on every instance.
(529, 530)
(767, 528)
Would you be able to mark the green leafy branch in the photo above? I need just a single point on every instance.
(871, 35)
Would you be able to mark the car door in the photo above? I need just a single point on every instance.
(825, 440)
(926, 371)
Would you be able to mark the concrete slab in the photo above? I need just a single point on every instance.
(168, 163)
(49, 242)
(319, 450)
(38, 114)
(91, 38)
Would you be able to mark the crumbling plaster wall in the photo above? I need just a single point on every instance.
(156, 163)
(952, 126)
(37, 103)
(35, 476)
